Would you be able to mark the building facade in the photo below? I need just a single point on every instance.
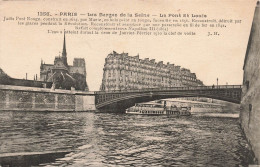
(65, 76)
(124, 72)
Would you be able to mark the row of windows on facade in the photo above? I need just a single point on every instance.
(149, 81)
(169, 83)
(138, 77)
(142, 63)
(142, 68)
(154, 72)
(172, 84)
(136, 86)
(136, 61)
(143, 84)
(147, 70)
(151, 78)
(151, 72)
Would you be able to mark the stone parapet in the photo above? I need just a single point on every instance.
(18, 98)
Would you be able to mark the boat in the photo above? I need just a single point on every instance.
(158, 109)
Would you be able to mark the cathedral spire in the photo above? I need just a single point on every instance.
(64, 52)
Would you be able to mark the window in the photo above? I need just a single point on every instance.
(247, 85)
(250, 107)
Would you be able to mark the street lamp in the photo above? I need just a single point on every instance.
(217, 82)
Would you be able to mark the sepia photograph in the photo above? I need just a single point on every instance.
(130, 83)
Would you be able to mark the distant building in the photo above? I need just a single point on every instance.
(122, 72)
(63, 75)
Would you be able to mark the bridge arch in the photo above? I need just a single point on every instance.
(122, 100)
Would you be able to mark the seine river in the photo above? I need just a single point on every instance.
(107, 139)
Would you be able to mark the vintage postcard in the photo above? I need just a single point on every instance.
(129, 83)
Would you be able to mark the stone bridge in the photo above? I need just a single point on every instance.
(122, 99)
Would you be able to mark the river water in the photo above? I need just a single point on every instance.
(110, 139)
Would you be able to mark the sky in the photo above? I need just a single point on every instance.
(23, 47)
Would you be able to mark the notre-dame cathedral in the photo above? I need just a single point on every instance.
(65, 76)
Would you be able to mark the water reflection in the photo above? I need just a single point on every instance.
(102, 139)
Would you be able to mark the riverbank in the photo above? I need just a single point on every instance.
(19, 98)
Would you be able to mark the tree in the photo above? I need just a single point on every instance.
(81, 83)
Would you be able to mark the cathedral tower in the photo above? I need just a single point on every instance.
(63, 75)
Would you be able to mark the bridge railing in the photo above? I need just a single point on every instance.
(173, 88)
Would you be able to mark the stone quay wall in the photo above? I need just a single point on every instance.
(19, 98)
(250, 102)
